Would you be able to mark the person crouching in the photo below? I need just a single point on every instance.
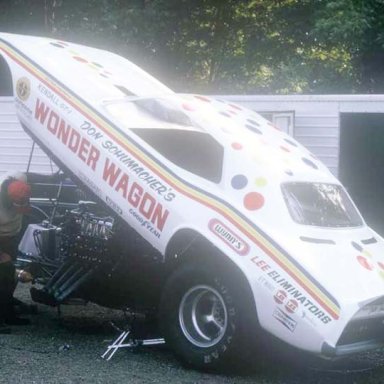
(14, 202)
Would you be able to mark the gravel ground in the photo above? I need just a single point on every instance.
(68, 350)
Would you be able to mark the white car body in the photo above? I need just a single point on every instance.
(85, 108)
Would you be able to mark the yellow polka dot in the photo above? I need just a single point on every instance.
(381, 274)
(366, 253)
(261, 182)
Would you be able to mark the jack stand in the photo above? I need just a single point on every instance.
(131, 343)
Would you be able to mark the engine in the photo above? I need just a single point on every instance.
(62, 258)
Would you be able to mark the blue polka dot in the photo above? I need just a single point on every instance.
(225, 114)
(291, 142)
(289, 172)
(239, 181)
(310, 163)
(253, 129)
(253, 122)
(358, 247)
(57, 45)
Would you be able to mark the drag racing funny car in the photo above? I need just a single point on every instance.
(198, 211)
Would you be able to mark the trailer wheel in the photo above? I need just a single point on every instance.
(203, 317)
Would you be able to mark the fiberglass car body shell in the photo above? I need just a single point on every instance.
(167, 162)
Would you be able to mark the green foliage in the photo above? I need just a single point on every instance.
(223, 46)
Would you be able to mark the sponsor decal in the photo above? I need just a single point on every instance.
(23, 109)
(142, 173)
(54, 98)
(114, 205)
(266, 283)
(291, 306)
(284, 319)
(145, 223)
(23, 88)
(231, 239)
(280, 297)
(91, 184)
(297, 296)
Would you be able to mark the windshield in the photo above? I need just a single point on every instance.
(319, 204)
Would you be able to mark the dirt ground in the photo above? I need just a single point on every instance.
(68, 350)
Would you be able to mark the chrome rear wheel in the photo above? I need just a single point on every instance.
(203, 316)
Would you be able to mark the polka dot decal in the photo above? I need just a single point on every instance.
(261, 182)
(291, 142)
(226, 114)
(357, 246)
(239, 182)
(253, 201)
(285, 149)
(188, 107)
(253, 129)
(203, 98)
(58, 45)
(365, 263)
(236, 107)
(80, 59)
(237, 146)
(366, 260)
(310, 163)
(289, 172)
(253, 122)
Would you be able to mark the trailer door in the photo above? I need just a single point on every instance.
(361, 167)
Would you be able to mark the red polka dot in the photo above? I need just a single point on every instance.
(189, 107)
(80, 59)
(233, 112)
(285, 149)
(381, 265)
(365, 263)
(237, 146)
(253, 201)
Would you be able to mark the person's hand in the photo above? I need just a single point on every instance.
(4, 257)
(23, 276)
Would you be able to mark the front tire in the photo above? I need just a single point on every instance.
(205, 315)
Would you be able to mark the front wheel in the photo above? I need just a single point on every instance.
(205, 317)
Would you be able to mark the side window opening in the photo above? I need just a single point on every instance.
(5, 79)
(194, 151)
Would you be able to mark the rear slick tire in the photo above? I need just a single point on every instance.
(204, 318)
